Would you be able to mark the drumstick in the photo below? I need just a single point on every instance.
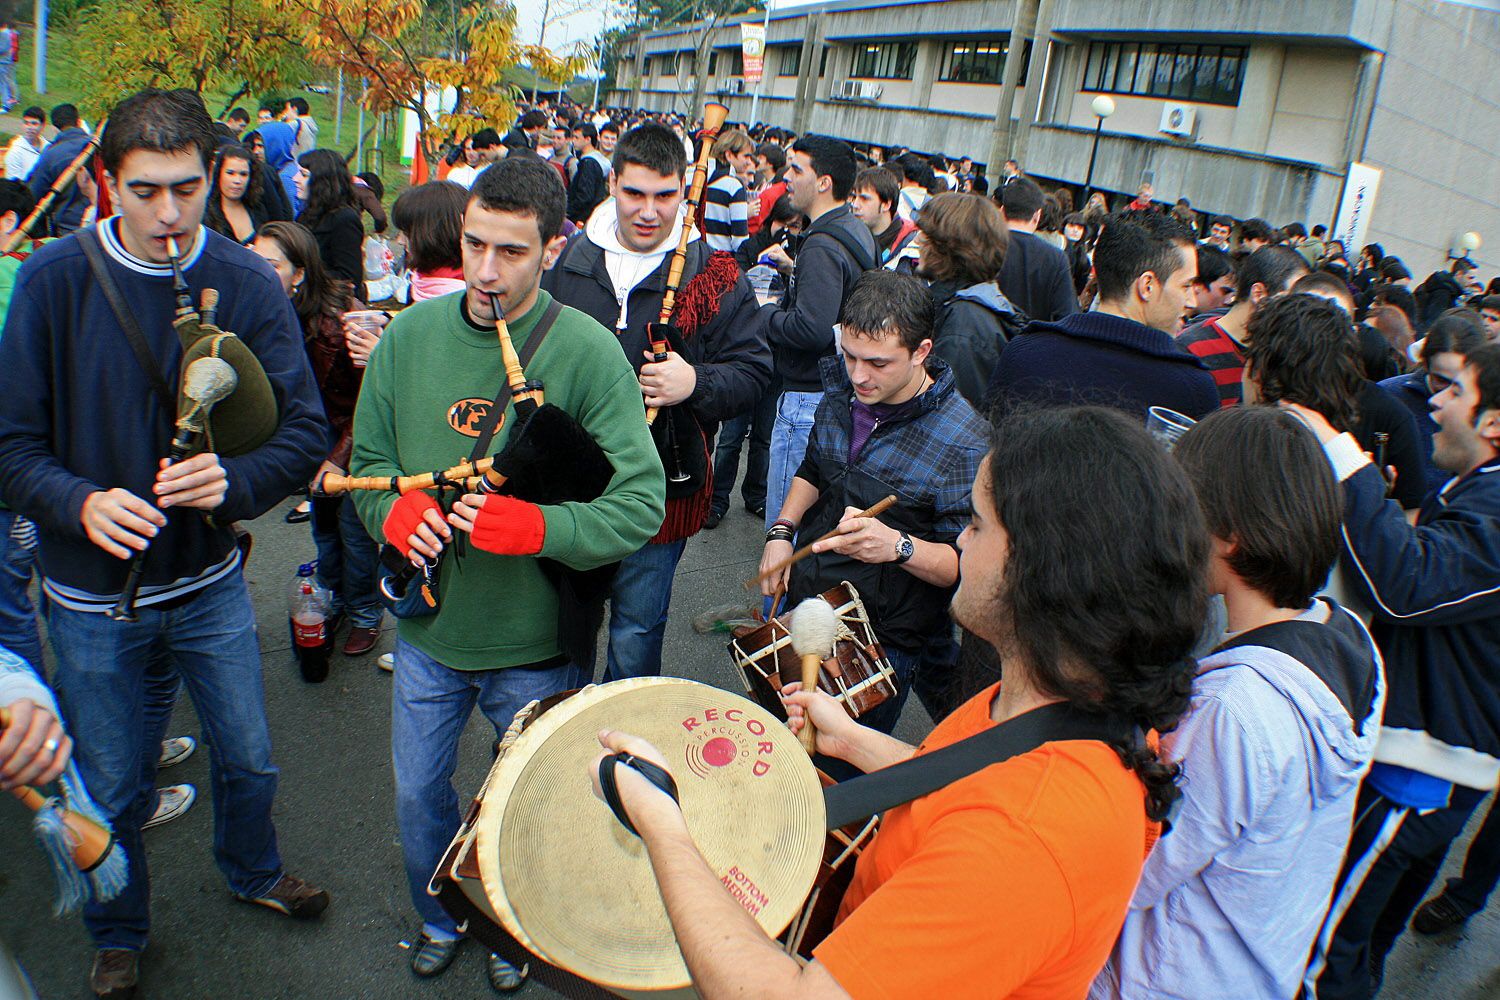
(806, 550)
(814, 628)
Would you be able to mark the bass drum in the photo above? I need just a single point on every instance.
(559, 874)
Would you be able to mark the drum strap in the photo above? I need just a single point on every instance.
(860, 798)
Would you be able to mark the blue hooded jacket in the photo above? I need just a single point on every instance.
(278, 137)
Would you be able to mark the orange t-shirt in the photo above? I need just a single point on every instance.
(1012, 882)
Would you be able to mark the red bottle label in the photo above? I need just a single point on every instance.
(308, 633)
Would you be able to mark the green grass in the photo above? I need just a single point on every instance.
(67, 82)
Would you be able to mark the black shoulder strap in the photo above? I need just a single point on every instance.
(860, 798)
(93, 249)
(492, 420)
(856, 249)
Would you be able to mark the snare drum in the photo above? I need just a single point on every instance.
(549, 865)
(858, 675)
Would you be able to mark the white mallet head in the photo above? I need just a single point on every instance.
(815, 626)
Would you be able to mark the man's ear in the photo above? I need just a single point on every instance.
(1147, 286)
(552, 251)
(1488, 426)
(1259, 293)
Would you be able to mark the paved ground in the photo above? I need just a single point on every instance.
(335, 819)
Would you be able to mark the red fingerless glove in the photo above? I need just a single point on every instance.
(509, 527)
(404, 518)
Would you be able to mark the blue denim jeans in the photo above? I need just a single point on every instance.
(102, 682)
(8, 93)
(789, 434)
(638, 610)
(757, 425)
(18, 631)
(430, 704)
(348, 560)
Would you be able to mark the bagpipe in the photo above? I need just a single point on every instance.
(76, 839)
(225, 403)
(548, 458)
(679, 439)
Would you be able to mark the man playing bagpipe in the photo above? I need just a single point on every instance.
(617, 270)
(431, 387)
(86, 417)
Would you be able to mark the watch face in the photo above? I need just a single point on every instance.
(905, 548)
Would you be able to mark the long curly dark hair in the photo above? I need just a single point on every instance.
(1105, 585)
(329, 186)
(213, 214)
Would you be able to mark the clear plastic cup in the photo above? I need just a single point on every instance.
(1167, 425)
(370, 324)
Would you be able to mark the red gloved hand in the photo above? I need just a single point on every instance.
(404, 518)
(509, 527)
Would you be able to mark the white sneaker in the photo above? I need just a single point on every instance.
(171, 802)
(387, 662)
(175, 750)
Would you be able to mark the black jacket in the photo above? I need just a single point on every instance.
(800, 330)
(1439, 293)
(341, 241)
(973, 326)
(585, 191)
(1037, 278)
(729, 353)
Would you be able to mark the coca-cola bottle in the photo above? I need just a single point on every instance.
(307, 615)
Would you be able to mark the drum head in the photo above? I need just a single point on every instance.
(570, 882)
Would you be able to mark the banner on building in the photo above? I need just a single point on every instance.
(1356, 206)
(753, 43)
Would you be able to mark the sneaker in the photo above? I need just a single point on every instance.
(361, 640)
(115, 973)
(175, 750)
(293, 897)
(387, 662)
(1438, 915)
(757, 509)
(712, 520)
(431, 957)
(171, 802)
(504, 977)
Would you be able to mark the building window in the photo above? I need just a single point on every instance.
(888, 61)
(713, 64)
(791, 61)
(731, 61)
(979, 61)
(823, 63)
(1208, 74)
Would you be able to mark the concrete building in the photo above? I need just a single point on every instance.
(1246, 107)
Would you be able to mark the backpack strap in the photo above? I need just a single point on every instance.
(856, 249)
(860, 798)
(93, 249)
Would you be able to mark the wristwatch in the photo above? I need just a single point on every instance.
(904, 548)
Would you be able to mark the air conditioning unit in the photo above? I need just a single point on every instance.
(847, 90)
(1179, 119)
(858, 90)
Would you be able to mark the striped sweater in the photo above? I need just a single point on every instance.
(726, 211)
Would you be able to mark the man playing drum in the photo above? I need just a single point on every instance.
(495, 636)
(1085, 567)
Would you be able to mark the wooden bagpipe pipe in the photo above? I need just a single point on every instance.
(548, 458)
(49, 197)
(686, 463)
(76, 839)
(225, 403)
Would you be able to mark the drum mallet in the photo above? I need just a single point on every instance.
(815, 626)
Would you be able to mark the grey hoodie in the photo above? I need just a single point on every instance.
(1230, 901)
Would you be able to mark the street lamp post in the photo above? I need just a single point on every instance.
(1103, 106)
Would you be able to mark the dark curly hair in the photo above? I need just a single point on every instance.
(329, 186)
(1303, 349)
(213, 212)
(1105, 587)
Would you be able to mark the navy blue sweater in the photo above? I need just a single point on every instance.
(1435, 592)
(1096, 358)
(78, 415)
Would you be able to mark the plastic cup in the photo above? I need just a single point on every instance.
(1167, 425)
(371, 323)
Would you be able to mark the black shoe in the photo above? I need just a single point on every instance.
(431, 958)
(712, 520)
(297, 515)
(758, 509)
(1438, 915)
(503, 976)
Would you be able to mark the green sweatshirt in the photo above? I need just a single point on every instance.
(500, 611)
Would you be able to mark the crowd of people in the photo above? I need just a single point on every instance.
(1201, 481)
